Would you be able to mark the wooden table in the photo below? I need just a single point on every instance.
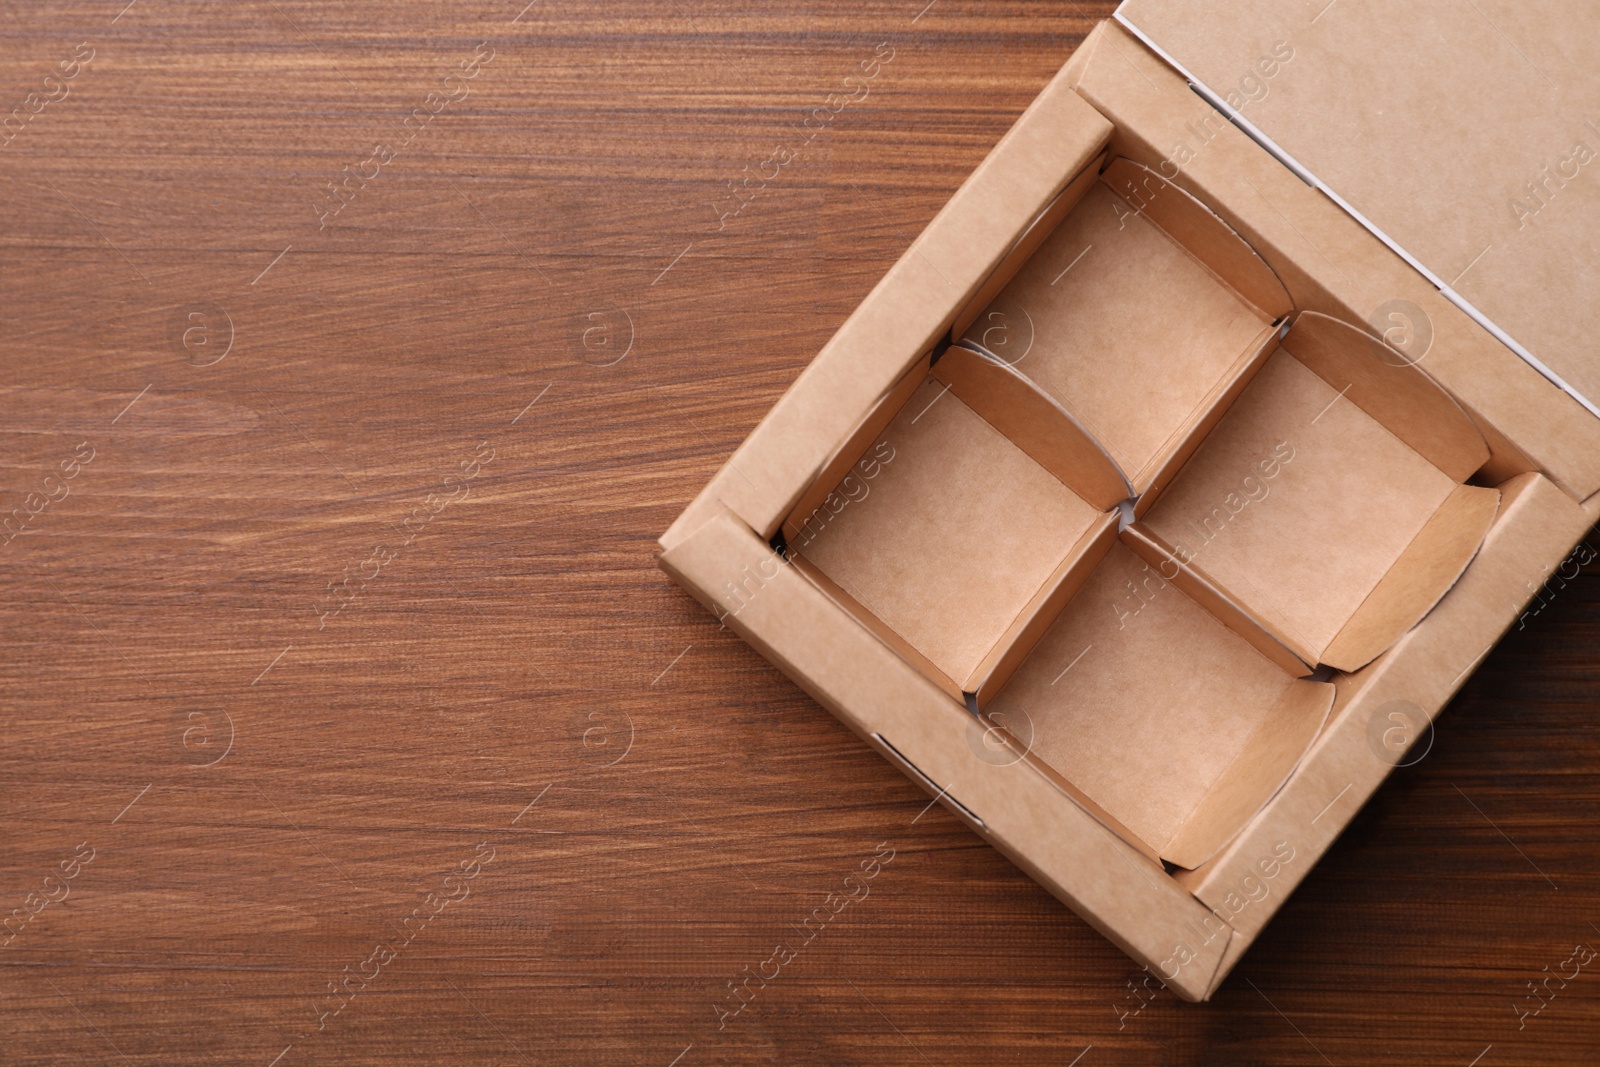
(354, 356)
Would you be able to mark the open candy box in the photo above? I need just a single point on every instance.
(1108, 519)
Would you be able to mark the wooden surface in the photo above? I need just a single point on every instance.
(617, 808)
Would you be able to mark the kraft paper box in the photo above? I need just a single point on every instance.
(1115, 516)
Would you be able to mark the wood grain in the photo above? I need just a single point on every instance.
(403, 414)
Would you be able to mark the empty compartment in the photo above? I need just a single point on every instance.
(1155, 716)
(1142, 313)
(1328, 503)
(975, 510)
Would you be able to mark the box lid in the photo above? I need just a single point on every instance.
(1463, 133)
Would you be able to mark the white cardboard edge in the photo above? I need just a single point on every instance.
(1305, 175)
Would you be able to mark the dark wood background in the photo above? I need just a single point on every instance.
(269, 789)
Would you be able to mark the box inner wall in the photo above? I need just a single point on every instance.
(954, 536)
(1130, 332)
(1299, 502)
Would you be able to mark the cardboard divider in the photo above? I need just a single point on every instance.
(1137, 314)
(1166, 725)
(1187, 439)
(1318, 517)
(1013, 646)
(1036, 424)
(1032, 622)
(1200, 588)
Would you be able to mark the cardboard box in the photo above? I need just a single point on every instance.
(1108, 519)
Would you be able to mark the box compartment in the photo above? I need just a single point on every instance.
(1155, 716)
(976, 512)
(1142, 313)
(1328, 505)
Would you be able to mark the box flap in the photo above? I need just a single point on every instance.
(1422, 575)
(1262, 766)
(1432, 125)
(1392, 389)
(1203, 234)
